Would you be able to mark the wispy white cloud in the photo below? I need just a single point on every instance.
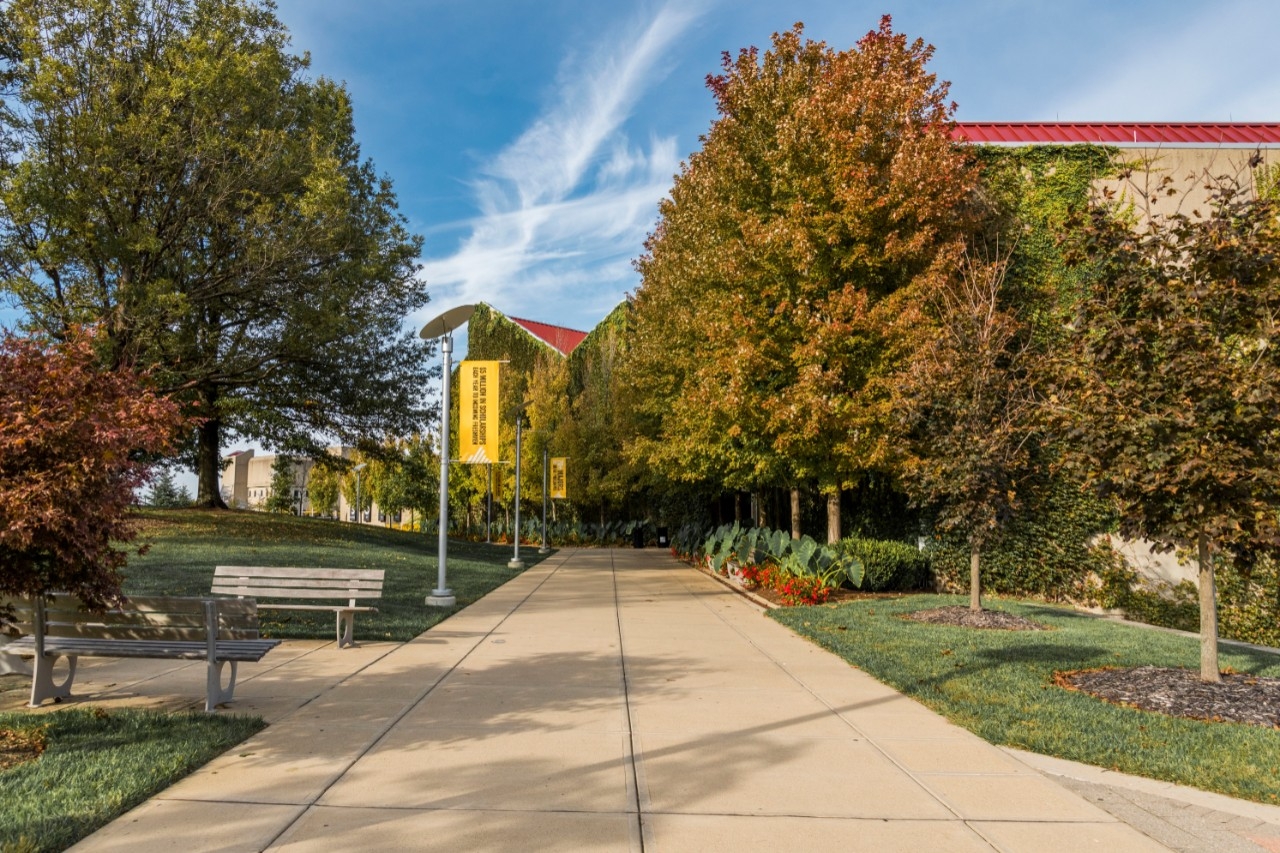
(1218, 66)
(565, 207)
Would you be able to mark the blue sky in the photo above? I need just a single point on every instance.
(530, 140)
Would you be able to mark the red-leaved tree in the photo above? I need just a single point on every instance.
(73, 443)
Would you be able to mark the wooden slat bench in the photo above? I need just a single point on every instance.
(220, 632)
(305, 589)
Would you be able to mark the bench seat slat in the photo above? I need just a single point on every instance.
(294, 592)
(294, 588)
(299, 580)
(239, 650)
(334, 608)
(294, 572)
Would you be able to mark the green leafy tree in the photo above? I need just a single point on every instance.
(323, 487)
(594, 432)
(827, 188)
(1173, 386)
(72, 439)
(283, 483)
(422, 477)
(172, 175)
(388, 480)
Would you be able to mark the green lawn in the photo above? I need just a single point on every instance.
(185, 545)
(98, 765)
(999, 684)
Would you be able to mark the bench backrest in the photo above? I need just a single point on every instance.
(295, 583)
(141, 617)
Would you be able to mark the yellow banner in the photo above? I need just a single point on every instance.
(559, 477)
(478, 427)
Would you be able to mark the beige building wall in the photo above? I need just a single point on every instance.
(1189, 170)
(246, 484)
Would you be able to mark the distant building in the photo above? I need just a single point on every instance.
(562, 340)
(247, 477)
(493, 335)
(1179, 150)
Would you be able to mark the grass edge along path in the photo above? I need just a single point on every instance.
(99, 764)
(999, 685)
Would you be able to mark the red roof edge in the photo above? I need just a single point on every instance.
(559, 338)
(1201, 134)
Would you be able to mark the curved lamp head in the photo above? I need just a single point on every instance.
(447, 322)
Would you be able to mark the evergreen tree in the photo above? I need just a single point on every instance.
(165, 493)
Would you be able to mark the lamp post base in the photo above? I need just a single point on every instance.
(515, 564)
(544, 550)
(441, 598)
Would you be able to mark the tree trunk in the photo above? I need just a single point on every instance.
(975, 583)
(209, 466)
(833, 517)
(1208, 615)
(737, 507)
(795, 513)
(759, 504)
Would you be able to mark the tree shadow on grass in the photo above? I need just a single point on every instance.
(1058, 654)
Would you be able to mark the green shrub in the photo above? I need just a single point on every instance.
(1047, 552)
(888, 565)
(1248, 602)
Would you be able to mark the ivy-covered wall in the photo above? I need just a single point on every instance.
(1047, 550)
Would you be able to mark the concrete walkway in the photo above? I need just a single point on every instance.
(603, 700)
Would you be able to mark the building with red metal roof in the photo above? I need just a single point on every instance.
(1142, 134)
(563, 340)
(1193, 154)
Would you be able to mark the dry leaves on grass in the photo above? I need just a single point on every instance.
(1238, 698)
(963, 617)
(18, 746)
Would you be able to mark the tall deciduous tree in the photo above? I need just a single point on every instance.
(969, 404)
(171, 174)
(826, 187)
(72, 438)
(1174, 384)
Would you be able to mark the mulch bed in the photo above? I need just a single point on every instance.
(1239, 698)
(965, 618)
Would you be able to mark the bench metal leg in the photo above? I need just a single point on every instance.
(215, 693)
(42, 684)
(346, 628)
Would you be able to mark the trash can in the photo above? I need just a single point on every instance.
(637, 536)
(662, 537)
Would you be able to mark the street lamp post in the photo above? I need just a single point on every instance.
(442, 327)
(543, 549)
(359, 509)
(516, 562)
(488, 506)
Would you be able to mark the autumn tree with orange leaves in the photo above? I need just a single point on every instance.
(769, 320)
(73, 446)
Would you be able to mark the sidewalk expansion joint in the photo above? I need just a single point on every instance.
(412, 704)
